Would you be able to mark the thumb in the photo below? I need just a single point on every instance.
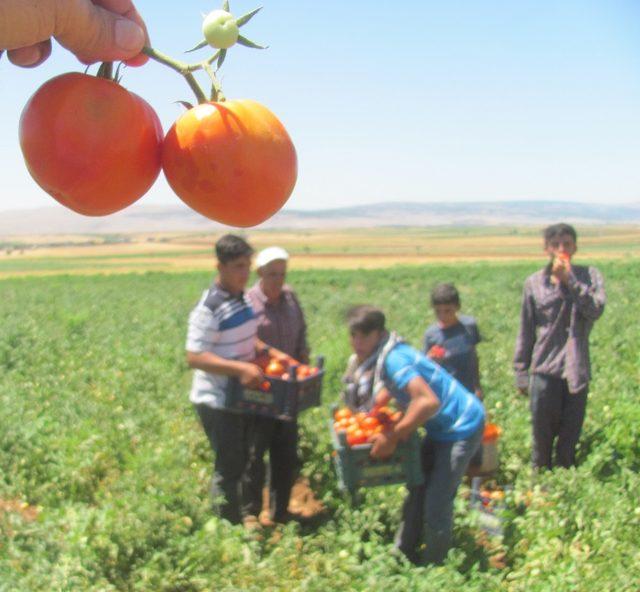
(95, 34)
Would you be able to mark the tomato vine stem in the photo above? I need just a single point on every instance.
(186, 70)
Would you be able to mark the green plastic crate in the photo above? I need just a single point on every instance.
(355, 467)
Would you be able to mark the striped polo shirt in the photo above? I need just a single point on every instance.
(460, 413)
(225, 325)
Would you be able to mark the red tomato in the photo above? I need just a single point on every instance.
(344, 412)
(233, 162)
(302, 371)
(90, 144)
(274, 368)
(356, 437)
(368, 423)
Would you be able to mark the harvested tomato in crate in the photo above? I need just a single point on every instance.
(284, 393)
(351, 434)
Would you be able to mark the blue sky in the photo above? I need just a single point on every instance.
(407, 101)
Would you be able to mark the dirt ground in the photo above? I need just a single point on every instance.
(303, 502)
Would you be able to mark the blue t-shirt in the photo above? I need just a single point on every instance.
(459, 341)
(460, 414)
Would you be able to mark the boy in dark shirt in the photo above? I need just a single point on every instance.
(451, 342)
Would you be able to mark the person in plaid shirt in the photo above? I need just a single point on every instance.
(559, 306)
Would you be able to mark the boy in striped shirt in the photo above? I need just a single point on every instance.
(221, 343)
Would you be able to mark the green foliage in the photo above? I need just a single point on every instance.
(98, 439)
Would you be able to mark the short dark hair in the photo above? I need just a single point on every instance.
(445, 294)
(230, 247)
(365, 318)
(557, 230)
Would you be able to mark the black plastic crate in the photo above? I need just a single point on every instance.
(284, 399)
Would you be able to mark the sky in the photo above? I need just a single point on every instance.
(476, 100)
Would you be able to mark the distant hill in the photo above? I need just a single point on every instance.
(143, 218)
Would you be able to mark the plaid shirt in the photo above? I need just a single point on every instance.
(555, 323)
(282, 324)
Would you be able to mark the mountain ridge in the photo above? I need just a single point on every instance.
(151, 218)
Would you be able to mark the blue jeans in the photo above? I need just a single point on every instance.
(427, 515)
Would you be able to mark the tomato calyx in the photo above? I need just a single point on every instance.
(221, 31)
(106, 71)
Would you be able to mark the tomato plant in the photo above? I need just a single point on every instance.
(231, 161)
(92, 145)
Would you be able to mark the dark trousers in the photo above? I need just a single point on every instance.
(556, 414)
(234, 493)
(280, 439)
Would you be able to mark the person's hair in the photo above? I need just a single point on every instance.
(230, 247)
(445, 294)
(365, 318)
(557, 230)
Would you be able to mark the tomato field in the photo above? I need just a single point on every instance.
(104, 468)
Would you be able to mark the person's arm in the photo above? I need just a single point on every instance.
(525, 341)
(427, 342)
(589, 299)
(423, 405)
(93, 30)
(475, 363)
(383, 397)
(249, 374)
(302, 347)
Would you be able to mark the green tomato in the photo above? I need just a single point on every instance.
(220, 29)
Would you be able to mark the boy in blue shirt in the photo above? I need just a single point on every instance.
(429, 397)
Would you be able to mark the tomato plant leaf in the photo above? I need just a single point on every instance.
(200, 45)
(245, 18)
(247, 43)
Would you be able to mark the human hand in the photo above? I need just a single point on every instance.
(560, 267)
(384, 445)
(437, 352)
(250, 376)
(93, 30)
(479, 394)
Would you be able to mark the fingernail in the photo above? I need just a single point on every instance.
(129, 36)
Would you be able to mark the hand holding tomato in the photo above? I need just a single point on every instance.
(561, 267)
(250, 376)
(98, 30)
(437, 352)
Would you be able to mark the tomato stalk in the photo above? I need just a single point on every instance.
(220, 30)
(186, 70)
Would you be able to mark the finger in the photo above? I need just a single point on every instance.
(128, 10)
(30, 56)
(95, 34)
